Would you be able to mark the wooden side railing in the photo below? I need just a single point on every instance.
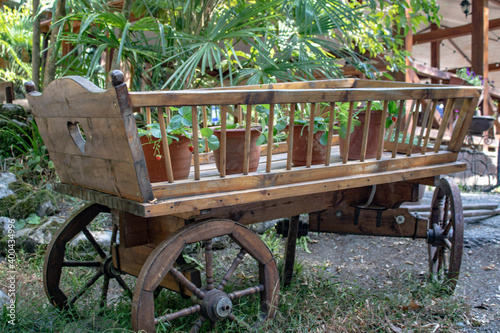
(409, 135)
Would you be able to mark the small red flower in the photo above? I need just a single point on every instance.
(191, 148)
(158, 158)
(394, 118)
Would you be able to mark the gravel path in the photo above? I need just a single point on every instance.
(371, 261)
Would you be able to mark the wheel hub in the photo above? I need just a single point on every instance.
(216, 305)
(108, 269)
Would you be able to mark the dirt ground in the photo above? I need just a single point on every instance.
(369, 260)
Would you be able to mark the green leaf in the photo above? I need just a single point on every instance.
(213, 142)
(262, 138)
(206, 132)
(324, 139)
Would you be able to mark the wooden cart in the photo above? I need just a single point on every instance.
(92, 138)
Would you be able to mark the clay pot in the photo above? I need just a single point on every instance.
(180, 156)
(235, 150)
(356, 137)
(300, 139)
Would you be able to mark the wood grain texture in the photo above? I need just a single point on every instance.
(92, 138)
(235, 97)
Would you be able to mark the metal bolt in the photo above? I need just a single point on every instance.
(400, 219)
(338, 214)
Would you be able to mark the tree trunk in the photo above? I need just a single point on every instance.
(127, 8)
(35, 58)
(50, 66)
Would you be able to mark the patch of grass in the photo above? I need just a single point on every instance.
(316, 301)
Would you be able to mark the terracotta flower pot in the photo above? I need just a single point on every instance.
(356, 137)
(180, 156)
(235, 150)
(300, 140)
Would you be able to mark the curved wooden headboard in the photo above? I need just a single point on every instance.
(91, 136)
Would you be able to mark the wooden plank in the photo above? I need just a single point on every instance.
(310, 134)
(438, 35)
(108, 157)
(196, 150)
(270, 139)
(479, 47)
(81, 98)
(222, 199)
(380, 146)
(112, 177)
(365, 131)
(225, 97)
(291, 243)
(133, 229)
(296, 175)
(329, 221)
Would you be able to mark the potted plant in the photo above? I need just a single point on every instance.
(179, 135)
(357, 127)
(235, 148)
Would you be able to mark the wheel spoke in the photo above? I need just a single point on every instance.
(209, 265)
(122, 283)
(86, 287)
(181, 313)
(188, 284)
(92, 241)
(104, 294)
(245, 292)
(81, 264)
(197, 325)
(231, 270)
(445, 211)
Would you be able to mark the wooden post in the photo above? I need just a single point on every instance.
(479, 47)
(435, 53)
(291, 243)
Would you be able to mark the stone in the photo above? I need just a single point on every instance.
(6, 179)
(46, 208)
(13, 111)
(4, 225)
(33, 236)
(4, 299)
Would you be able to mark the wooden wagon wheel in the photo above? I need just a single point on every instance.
(210, 302)
(445, 234)
(62, 269)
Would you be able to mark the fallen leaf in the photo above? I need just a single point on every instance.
(489, 268)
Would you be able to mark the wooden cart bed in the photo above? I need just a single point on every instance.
(108, 166)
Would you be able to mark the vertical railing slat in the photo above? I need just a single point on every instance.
(424, 123)
(248, 128)
(448, 110)
(398, 128)
(223, 124)
(205, 124)
(348, 133)
(330, 133)
(166, 149)
(429, 126)
(380, 146)
(148, 115)
(270, 138)
(290, 137)
(413, 128)
(196, 150)
(310, 135)
(408, 121)
(366, 128)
